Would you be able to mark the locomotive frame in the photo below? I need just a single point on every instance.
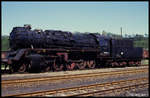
(41, 60)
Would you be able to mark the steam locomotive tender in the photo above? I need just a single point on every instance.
(37, 50)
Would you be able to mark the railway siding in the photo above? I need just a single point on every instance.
(84, 79)
(62, 73)
(54, 78)
(91, 89)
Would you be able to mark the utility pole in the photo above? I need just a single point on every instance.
(121, 31)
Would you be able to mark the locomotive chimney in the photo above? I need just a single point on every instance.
(27, 26)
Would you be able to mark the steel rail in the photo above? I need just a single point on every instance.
(62, 77)
(113, 90)
(134, 82)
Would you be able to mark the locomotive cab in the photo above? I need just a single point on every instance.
(104, 43)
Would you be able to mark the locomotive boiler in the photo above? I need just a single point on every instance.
(38, 50)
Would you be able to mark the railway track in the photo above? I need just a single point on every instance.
(8, 83)
(90, 90)
(3, 71)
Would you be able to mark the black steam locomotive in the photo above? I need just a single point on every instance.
(37, 50)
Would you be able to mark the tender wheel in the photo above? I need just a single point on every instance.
(131, 63)
(70, 66)
(57, 65)
(81, 65)
(138, 63)
(47, 69)
(22, 68)
(91, 64)
(114, 64)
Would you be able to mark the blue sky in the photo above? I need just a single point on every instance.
(77, 16)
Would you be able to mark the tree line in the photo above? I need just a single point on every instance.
(139, 40)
